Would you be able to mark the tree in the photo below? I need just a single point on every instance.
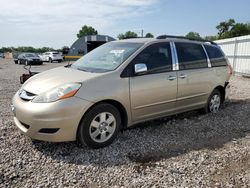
(86, 30)
(65, 50)
(149, 35)
(193, 35)
(211, 38)
(224, 27)
(127, 35)
(230, 28)
(239, 29)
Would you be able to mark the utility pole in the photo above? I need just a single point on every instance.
(142, 33)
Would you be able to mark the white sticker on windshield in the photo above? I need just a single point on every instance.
(116, 51)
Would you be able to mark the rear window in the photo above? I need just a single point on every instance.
(216, 57)
(191, 56)
(55, 53)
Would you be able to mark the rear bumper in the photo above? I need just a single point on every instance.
(57, 59)
(56, 122)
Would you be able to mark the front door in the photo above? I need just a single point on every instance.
(153, 93)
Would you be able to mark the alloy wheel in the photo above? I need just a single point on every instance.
(214, 104)
(102, 127)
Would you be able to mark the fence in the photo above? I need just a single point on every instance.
(238, 52)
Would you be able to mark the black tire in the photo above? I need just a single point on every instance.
(18, 62)
(26, 62)
(50, 60)
(59, 61)
(84, 129)
(207, 108)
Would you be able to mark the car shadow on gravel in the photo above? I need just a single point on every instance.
(164, 138)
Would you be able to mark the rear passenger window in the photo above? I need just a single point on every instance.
(216, 57)
(157, 58)
(191, 56)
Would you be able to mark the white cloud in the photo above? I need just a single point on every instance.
(33, 16)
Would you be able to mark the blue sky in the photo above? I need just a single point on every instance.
(54, 23)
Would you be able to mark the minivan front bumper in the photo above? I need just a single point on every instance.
(57, 121)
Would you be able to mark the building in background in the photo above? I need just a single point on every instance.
(238, 52)
(85, 44)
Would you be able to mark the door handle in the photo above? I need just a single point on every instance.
(182, 76)
(171, 78)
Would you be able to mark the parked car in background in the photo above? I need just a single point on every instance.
(1, 55)
(119, 84)
(28, 59)
(51, 56)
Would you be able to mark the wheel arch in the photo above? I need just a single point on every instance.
(118, 105)
(222, 91)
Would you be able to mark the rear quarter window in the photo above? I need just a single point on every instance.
(191, 56)
(216, 57)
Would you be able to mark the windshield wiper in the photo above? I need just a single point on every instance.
(81, 69)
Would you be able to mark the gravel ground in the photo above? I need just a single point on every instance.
(188, 150)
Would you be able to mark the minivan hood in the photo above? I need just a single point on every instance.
(47, 80)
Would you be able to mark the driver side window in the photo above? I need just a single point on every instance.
(157, 58)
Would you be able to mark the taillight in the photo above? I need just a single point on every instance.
(230, 69)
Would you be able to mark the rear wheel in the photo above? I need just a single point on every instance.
(100, 126)
(214, 102)
(18, 62)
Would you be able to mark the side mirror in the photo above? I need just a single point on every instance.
(140, 68)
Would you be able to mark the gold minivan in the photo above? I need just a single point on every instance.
(119, 84)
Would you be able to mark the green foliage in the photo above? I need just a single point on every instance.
(26, 49)
(230, 28)
(86, 30)
(193, 35)
(65, 50)
(127, 35)
(211, 38)
(239, 29)
(224, 27)
(149, 35)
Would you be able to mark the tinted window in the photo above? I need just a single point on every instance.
(157, 58)
(215, 55)
(191, 56)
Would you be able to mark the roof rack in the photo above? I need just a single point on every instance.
(182, 37)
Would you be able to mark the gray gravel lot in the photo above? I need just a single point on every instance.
(188, 150)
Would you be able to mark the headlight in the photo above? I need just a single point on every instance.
(60, 92)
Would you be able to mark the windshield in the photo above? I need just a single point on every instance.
(30, 55)
(106, 57)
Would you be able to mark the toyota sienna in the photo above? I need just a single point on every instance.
(119, 84)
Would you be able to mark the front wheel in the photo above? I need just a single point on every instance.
(100, 126)
(26, 63)
(214, 101)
